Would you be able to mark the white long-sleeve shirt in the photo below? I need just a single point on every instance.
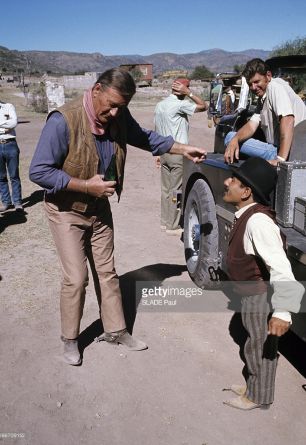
(8, 121)
(262, 238)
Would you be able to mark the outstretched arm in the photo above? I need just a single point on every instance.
(195, 154)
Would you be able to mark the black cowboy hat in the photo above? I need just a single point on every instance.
(259, 175)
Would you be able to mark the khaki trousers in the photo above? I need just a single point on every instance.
(171, 180)
(78, 237)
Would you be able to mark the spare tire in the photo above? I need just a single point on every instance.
(201, 238)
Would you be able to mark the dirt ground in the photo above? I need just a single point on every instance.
(170, 394)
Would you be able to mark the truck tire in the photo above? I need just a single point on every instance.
(201, 236)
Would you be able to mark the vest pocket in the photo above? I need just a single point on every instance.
(73, 169)
(73, 165)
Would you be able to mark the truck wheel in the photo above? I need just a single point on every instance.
(201, 236)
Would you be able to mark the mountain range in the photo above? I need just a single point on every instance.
(63, 62)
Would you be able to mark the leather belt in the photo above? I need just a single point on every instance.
(67, 201)
(5, 141)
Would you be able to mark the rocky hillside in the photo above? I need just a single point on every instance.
(64, 62)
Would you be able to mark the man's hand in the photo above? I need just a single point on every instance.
(244, 133)
(278, 327)
(99, 188)
(232, 151)
(195, 154)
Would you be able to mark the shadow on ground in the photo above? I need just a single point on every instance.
(156, 273)
(11, 217)
(290, 345)
(294, 349)
(35, 197)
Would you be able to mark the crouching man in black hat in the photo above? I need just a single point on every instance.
(256, 256)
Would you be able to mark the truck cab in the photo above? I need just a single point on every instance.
(207, 218)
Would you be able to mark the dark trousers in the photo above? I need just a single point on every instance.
(261, 360)
(9, 165)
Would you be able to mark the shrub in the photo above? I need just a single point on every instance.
(38, 98)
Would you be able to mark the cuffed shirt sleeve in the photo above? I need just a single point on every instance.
(46, 166)
(255, 118)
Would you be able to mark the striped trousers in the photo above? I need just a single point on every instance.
(260, 354)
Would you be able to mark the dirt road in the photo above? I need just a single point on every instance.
(170, 394)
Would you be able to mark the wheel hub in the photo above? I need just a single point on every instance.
(196, 233)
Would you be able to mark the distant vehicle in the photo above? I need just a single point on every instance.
(207, 218)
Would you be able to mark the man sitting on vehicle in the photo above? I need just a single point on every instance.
(279, 110)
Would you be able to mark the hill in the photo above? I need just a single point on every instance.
(63, 62)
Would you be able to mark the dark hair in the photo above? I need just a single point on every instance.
(119, 79)
(253, 67)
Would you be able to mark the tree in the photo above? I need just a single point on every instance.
(238, 68)
(136, 74)
(201, 72)
(291, 47)
(38, 98)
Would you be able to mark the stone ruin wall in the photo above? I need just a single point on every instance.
(55, 87)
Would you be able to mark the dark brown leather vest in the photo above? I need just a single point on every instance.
(248, 272)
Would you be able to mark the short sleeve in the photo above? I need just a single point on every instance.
(187, 107)
(280, 100)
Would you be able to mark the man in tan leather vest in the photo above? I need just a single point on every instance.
(81, 143)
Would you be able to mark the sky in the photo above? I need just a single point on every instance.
(144, 27)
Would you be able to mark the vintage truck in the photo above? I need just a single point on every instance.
(207, 218)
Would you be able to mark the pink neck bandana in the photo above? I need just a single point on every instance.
(95, 126)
